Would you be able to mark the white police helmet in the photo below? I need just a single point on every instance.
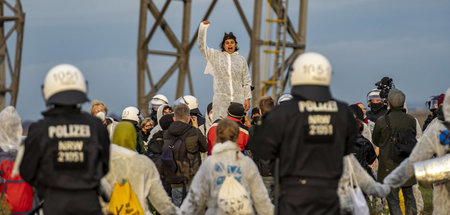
(158, 100)
(131, 113)
(188, 100)
(311, 69)
(373, 94)
(64, 84)
(285, 97)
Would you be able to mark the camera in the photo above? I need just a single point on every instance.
(385, 85)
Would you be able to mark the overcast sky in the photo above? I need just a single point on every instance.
(408, 40)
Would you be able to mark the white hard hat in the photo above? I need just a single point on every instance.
(158, 100)
(284, 97)
(373, 94)
(188, 100)
(131, 113)
(311, 69)
(64, 84)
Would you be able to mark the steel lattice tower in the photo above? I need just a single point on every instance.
(274, 78)
(12, 20)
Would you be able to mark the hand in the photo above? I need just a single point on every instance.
(194, 121)
(247, 122)
(247, 104)
(206, 22)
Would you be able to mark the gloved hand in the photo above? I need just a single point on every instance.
(385, 190)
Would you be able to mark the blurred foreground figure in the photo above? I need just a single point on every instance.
(217, 174)
(138, 169)
(309, 134)
(67, 152)
(434, 142)
(16, 195)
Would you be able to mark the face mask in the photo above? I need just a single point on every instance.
(101, 115)
(375, 107)
(147, 131)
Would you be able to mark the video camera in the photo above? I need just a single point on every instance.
(385, 85)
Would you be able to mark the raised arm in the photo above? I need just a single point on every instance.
(208, 53)
(365, 181)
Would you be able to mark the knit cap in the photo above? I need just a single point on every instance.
(441, 99)
(236, 110)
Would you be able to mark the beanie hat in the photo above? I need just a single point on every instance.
(125, 135)
(236, 110)
(165, 121)
(396, 98)
(441, 99)
(357, 111)
(209, 108)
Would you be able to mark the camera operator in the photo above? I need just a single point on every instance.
(376, 99)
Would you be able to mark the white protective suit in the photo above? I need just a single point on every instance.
(10, 129)
(157, 128)
(231, 79)
(427, 146)
(143, 178)
(204, 189)
(367, 184)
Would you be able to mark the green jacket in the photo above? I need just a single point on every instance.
(399, 119)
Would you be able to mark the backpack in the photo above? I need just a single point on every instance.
(176, 165)
(232, 197)
(18, 193)
(124, 200)
(403, 142)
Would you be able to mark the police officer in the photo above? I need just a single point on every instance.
(377, 105)
(67, 152)
(309, 134)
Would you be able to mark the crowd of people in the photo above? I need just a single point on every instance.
(305, 153)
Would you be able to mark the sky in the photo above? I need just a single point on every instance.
(407, 40)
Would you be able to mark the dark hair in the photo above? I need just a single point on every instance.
(226, 37)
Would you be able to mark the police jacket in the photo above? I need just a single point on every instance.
(310, 138)
(67, 150)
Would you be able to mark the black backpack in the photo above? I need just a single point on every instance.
(403, 142)
(176, 165)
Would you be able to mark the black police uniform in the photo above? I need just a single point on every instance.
(66, 155)
(310, 139)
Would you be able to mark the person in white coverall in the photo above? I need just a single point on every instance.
(206, 185)
(427, 146)
(141, 172)
(231, 78)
